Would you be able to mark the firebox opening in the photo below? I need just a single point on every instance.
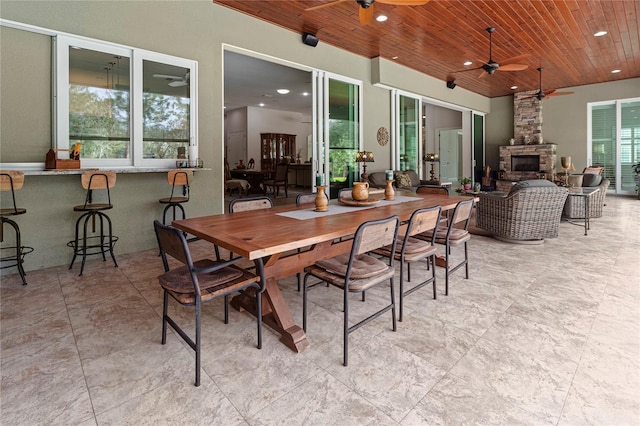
(525, 163)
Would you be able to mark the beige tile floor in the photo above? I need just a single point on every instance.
(544, 334)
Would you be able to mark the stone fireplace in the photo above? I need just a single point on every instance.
(522, 162)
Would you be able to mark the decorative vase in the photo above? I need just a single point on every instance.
(389, 192)
(322, 203)
(241, 165)
(466, 186)
(360, 191)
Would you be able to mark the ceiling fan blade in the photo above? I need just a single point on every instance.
(483, 74)
(365, 15)
(178, 83)
(513, 67)
(331, 3)
(170, 77)
(404, 2)
(554, 93)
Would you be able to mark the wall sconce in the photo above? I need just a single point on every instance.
(433, 159)
(364, 157)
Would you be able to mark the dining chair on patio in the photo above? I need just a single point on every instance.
(305, 198)
(248, 204)
(431, 189)
(195, 283)
(454, 234)
(357, 272)
(409, 249)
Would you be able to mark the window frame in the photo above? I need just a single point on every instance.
(63, 42)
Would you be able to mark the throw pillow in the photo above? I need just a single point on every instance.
(591, 180)
(403, 180)
(593, 170)
(576, 180)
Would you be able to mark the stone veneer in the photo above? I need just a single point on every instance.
(527, 118)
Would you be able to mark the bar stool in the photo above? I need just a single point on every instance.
(12, 181)
(87, 245)
(177, 178)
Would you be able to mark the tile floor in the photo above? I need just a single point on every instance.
(546, 334)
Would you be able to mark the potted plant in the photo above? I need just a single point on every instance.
(466, 183)
(636, 170)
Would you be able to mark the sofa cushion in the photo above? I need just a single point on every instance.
(533, 183)
(378, 179)
(591, 179)
(403, 180)
(575, 180)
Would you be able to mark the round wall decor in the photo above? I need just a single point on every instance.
(383, 136)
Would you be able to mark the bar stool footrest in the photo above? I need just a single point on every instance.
(92, 247)
(13, 257)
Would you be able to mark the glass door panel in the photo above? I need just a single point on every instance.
(408, 137)
(603, 139)
(629, 143)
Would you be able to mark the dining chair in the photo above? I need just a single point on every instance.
(250, 203)
(280, 179)
(357, 272)
(409, 249)
(430, 189)
(454, 234)
(305, 198)
(195, 283)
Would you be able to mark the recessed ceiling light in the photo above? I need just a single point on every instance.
(381, 18)
(261, 104)
(600, 33)
(283, 91)
(394, 57)
(514, 87)
(468, 63)
(615, 71)
(305, 93)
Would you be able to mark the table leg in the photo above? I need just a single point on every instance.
(275, 314)
(586, 214)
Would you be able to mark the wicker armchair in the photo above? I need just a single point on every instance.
(574, 206)
(528, 214)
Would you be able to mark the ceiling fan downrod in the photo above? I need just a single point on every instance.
(365, 3)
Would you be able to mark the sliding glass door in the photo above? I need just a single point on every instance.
(614, 141)
(407, 131)
(337, 130)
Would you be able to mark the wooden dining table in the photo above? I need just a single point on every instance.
(287, 245)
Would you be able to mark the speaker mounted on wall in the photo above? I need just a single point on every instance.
(451, 84)
(309, 39)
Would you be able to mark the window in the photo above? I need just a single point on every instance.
(125, 106)
(614, 137)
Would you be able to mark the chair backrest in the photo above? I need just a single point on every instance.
(179, 177)
(92, 181)
(251, 163)
(306, 198)
(11, 180)
(251, 203)
(375, 234)
(423, 220)
(462, 214)
(345, 193)
(172, 242)
(282, 171)
(430, 189)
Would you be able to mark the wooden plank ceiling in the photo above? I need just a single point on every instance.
(438, 37)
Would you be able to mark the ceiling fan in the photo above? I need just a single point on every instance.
(545, 95)
(175, 80)
(492, 66)
(365, 10)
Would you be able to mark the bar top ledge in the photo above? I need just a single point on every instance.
(58, 172)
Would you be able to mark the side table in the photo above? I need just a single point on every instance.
(586, 193)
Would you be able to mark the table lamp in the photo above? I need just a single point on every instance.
(364, 157)
(433, 159)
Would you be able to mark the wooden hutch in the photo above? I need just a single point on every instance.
(275, 148)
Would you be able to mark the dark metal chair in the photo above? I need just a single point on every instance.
(177, 178)
(202, 281)
(432, 189)
(92, 243)
(11, 180)
(357, 272)
(250, 203)
(454, 234)
(409, 249)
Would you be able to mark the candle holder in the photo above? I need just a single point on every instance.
(389, 192)
(322, 203)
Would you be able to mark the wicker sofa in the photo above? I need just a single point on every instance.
(379, 180)
(528, 214)
(574, 206)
